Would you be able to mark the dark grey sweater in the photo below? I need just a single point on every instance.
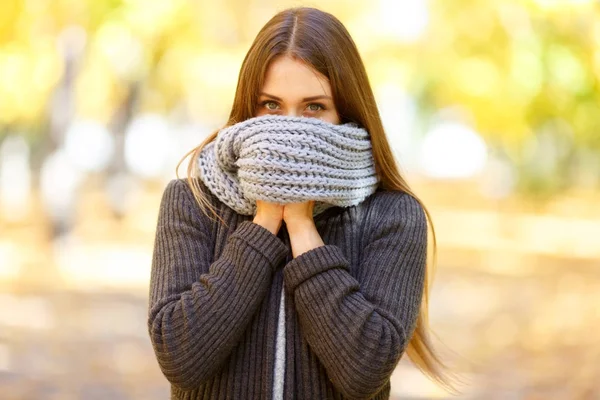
(350, 306)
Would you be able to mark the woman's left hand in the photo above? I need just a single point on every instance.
(298, 213)
(301, 227)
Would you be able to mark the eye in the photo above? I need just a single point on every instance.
(270, 105)
(315, 107)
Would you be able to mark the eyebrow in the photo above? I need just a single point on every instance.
(311, 98)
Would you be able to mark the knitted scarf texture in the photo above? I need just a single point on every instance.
(284, 159)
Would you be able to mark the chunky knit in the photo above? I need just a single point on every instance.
(350, 305)
(286, 159)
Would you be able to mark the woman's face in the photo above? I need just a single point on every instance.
(293, 88)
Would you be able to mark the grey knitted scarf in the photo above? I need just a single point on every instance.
(285, 159)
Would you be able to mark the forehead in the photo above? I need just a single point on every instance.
(291, 79)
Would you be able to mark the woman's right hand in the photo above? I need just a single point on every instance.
(269, 215)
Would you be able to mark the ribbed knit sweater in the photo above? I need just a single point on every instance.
(350, 306)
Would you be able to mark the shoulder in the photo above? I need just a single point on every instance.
(396, 207)
(182, 187)
(178, 195)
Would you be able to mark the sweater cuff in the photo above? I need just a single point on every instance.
(311, 263)
(261, 240)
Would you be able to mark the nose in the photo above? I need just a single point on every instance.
(291, 112)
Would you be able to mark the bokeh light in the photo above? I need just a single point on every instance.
(452, 150)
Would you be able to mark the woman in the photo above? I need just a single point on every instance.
(285, 301)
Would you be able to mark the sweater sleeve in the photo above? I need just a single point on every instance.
(359, 326)
(198, 310)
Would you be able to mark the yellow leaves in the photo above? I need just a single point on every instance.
(95, 91)
(477, 77)
(566, 69)
(27, 75)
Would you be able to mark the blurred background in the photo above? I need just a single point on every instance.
(491, 106)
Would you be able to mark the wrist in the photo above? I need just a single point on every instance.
(269, 224)
(300, 225)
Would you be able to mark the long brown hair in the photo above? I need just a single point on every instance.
(320, 40)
